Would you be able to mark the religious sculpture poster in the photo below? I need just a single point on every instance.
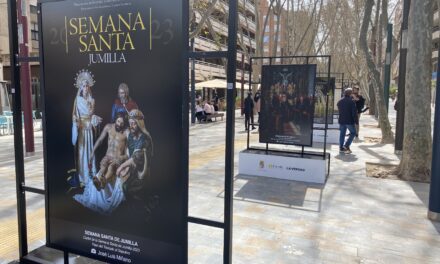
(112, 89)
(324, 88)
(287, 104)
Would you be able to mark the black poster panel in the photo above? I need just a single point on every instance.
(287, 106)
(323, 88)
(113, 127)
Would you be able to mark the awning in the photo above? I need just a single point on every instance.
(217, 83)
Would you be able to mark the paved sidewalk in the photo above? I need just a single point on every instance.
(352, 219)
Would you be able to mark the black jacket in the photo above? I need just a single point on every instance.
(347, 111)
(360, 104)
(248, 105)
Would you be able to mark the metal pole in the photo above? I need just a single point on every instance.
(193, 86)
(18, 137)
(434, 193)
(230, 131)
(387, 68)
(185, 127)
(66, 257)
(242, 84)
(25, 76)
(400, 126)
(326, 107)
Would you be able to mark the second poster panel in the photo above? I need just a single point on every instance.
(287, 106)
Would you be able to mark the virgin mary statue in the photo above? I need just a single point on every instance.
(84, 122)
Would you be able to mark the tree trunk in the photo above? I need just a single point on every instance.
(371, 93)
(384, 123)
(417, 141)
(277, 14)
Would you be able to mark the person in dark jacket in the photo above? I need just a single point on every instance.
(249, 111)
(347, 120)
(359, 100)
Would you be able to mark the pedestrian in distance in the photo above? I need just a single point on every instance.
(257, 104)
(249, 112)
(359, 100)
(347, 120)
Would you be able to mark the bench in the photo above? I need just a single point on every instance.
(214, 116)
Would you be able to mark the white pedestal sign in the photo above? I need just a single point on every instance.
(283, 166)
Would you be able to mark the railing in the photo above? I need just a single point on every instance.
(247, 4)
(206, 44)
(436, 34)
(208, 70)
(219, 27)
(222, 29)
(250, 23)
(247, 23)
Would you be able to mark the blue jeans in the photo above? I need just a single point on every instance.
(342, 131)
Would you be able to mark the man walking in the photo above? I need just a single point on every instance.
(347, 120)
(249, 111)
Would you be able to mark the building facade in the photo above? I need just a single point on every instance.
(213, 37)
(33, 44)
(276, 22)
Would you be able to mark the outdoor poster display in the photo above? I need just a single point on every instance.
(287, 104)
(323, 88)
(113, 128)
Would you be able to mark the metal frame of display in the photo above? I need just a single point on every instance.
(21, 188)
(333, 106)
(339, 78)
(324, 154)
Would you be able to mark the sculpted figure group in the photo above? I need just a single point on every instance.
(127, 161)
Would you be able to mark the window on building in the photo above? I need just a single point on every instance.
(33, 9)
(34, 31)
(266, 39)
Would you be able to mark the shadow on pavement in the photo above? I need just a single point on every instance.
(346, 157)
(281, 193)
(422, 191)
(374, 153)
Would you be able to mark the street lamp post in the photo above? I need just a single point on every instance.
(193, 86)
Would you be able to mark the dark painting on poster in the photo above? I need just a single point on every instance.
(324, 88)
(113, 166)
(287, 104)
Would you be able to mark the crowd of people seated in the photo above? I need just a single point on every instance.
(204, 110)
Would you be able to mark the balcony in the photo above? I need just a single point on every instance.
(219, 27)
(204, 44)
(222, 29)
(206, 71)
(249, 24)
(242, 3)
(435, 54)
(436, 34)
(248, 5)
